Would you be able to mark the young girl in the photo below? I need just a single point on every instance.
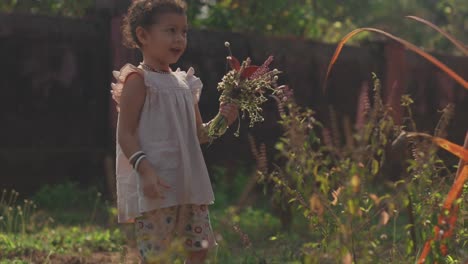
(162, 180)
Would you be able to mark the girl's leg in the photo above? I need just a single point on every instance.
(197, 257)
(154, 234)
(197, 232)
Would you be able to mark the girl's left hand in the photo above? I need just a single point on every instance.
(229, 111)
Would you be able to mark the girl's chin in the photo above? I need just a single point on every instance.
(175, 56)
(173, 61)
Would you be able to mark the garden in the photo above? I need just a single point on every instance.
(374, 188)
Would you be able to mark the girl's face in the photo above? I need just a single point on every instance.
(165, 41)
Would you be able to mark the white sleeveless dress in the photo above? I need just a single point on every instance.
(168, 135)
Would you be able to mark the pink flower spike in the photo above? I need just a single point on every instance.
(262, 69)
(268, 62)
(285, 91)
(234, 63)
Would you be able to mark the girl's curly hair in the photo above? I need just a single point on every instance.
(144, 13)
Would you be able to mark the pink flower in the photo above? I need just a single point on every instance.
(262, 69)
(247, 72)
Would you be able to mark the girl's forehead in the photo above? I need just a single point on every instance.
(172, 19)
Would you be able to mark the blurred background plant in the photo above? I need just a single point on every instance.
(69, 8)
(320, 20)
(328, 21)
(365, 199)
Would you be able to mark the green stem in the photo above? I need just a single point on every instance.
(238, 128)
(218, 126)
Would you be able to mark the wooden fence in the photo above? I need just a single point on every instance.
(58, 119)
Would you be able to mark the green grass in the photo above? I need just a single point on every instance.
(52, 229)
(267, 245)
(63, 240)
(253, 235)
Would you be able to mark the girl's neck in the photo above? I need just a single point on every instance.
(156, 65)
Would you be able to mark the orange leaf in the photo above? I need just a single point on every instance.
(455, 41)
(456, 189)
(405, 43)
(451, 219)
(460, 152)
(453, 148)
(425, 251)
(447, 219)
(384, 218)
(336, 195)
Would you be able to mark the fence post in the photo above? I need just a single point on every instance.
(395, 78)
(120, 54)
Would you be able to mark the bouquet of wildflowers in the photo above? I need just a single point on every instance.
(246, 86)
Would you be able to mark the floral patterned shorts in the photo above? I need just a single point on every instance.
(157, 230)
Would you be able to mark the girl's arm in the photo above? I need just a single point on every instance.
(202, 133)
(131, 103)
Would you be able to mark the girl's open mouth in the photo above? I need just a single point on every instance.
(176, 51)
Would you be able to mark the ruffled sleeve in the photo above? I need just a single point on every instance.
(121, 77)
(194, 83)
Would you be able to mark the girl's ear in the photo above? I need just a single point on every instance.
(142, 35)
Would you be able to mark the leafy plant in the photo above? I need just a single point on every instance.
(449, 216)
(355, 213)
(70, 8)
(68, 202)
(15, 217)
(328, 21)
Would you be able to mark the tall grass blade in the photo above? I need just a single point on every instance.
(456, 42)
(405, 43)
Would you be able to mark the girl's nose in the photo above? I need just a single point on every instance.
(180, 38)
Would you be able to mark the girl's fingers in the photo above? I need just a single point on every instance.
(224, 112)
(233, 113)
(158, 195)
(228, 108)
(229, 111)
(151, 192)
(163, 184)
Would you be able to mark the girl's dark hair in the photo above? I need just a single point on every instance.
(144, 13)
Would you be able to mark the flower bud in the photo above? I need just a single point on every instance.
(355, 183)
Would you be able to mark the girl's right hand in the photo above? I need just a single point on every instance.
(229, 111)
(153, 186)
